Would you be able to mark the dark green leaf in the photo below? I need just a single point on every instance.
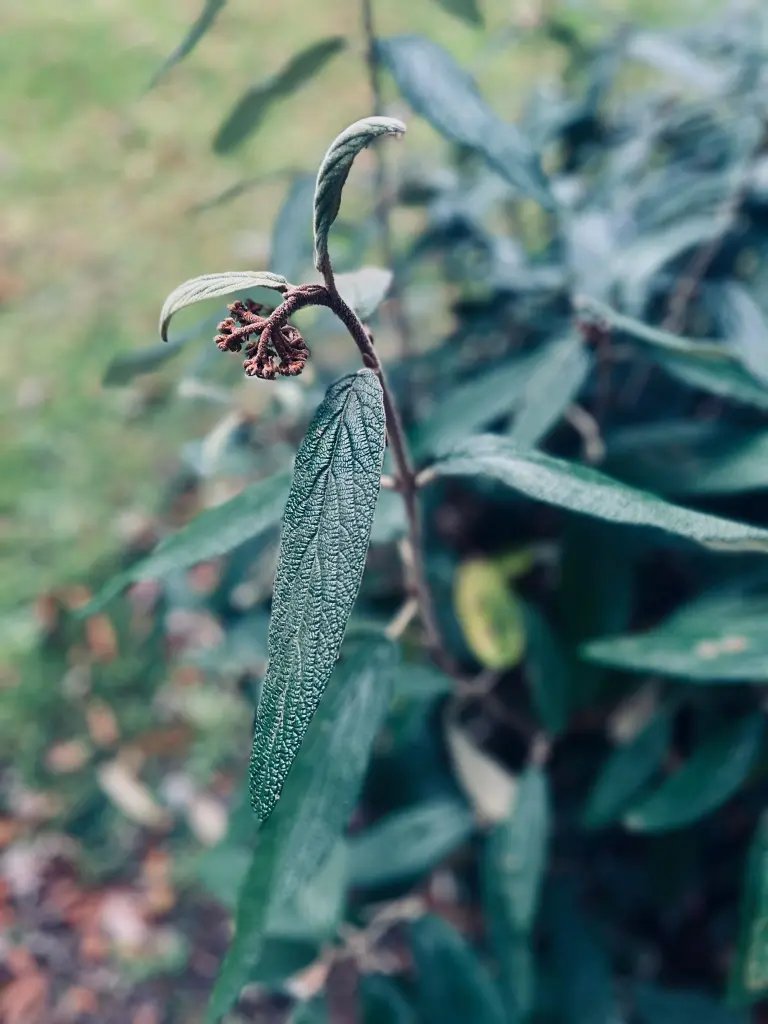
(711, 775)
(516, 851)
(409, 843)
(251, 109)
(452, 984)
(422, 683)
(581, 973)
(668, 1006)
(467, 10)
(326, 530)
(384, 1002)
(749, 973)
(445, 95)
(522, 386)
(317, 800)
(365, 289)
(726, 380)
(334, 171)
(211, 534)
(690, 457)
(203, 23)
(546, 672)
(716, 639)
(585, 490)
(291, 247)
(627, 770)
(213, 286)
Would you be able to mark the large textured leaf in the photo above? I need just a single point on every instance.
(334, 171)
(326, 530)
(490, 616)
(690, 457)
(677, 1006)
(213, 286)
(317, 800)
(211, 534)
(516, 851)
(253, 106)
(291, 246)
(627, 770)
(205, 20)
(585, 490)
(446, 96)
(452, 984)
(467, 10)
(711, 775)
(523, 386)
(408, 843)
(719, 638)
(749, 973)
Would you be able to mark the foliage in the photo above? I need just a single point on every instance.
(528, 608)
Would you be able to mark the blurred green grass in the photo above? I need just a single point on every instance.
(97, 177)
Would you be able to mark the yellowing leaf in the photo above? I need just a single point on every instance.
(489, 613)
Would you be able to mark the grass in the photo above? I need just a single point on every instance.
(97, 177)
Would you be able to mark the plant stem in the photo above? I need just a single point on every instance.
(406, 476)
(383, 190)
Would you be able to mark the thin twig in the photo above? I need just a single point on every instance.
(383, 190)
(403, 619)
(588, 429)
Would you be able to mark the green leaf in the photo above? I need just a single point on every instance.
(390, 522)
(626, 771)
(326, 530)
(211, 534)
(408, 843)
(718, 638)
(335, 169)
(490, 616)
(516, 970)
(445, 95)
(726, 380)
(669, 55)
(711, 775)
(677, 1006)
(452, 984)
(254, 105)
(467, 10)
(384, 1002)
(523, 386)
(365, 289)
(749, 973)
(203, 23)
(690, 457)
(213, 286)
(546, 672)
(743, 325)
(146, 360)
(317, 800)
(585, 490)
(516, 851)
(291, 246)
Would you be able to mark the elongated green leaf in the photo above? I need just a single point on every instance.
(677, 1006)
(291, 246)
(384, 1002)
(365, 289)
(670, 55)
(334, 171)
(743, 325)
(467, 10)
(585, 490)
(326, 530)
(205, 20)
(512, 952)
(522, 386)
(451, 982)
(711, 775)
(445, 95)
(627, 770)
(546, 671)
(719, 638)
(726, 380)
(690, 458)
(749, 973)
(408, 843)
(317, 800)
(254, 105)
(516, 850)
(213, 286)
(211, 534)
(145, 360)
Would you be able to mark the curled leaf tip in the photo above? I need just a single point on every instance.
(213, 286)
